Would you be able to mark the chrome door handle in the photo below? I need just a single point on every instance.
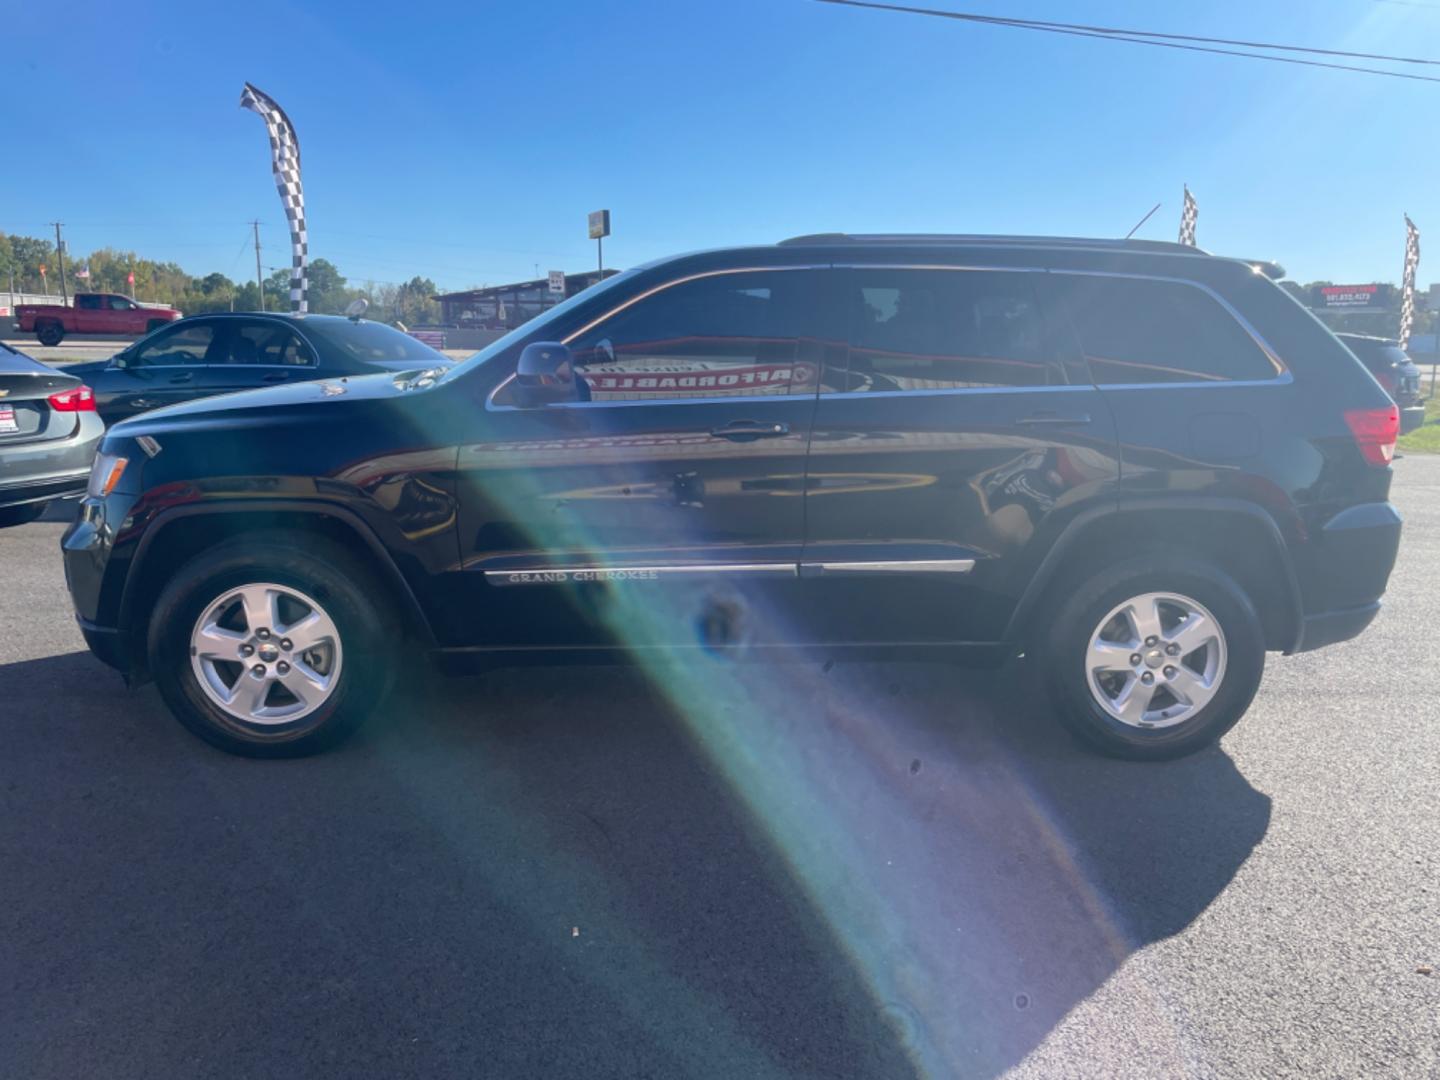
(750, 430)
(143, 403)
(1054, 418)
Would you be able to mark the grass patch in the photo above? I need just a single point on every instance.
(1424, 439)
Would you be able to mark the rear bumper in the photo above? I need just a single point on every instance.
(53, 468)
(1344, 572)
(44, 488)
(1329, 627)
(1411, 417)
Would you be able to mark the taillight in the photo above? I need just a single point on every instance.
(80, 399)
(1375, 432)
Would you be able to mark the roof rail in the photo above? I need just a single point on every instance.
(984, 240)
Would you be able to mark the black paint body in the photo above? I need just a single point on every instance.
(490, 520)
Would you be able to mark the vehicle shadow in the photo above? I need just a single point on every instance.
(878, 870)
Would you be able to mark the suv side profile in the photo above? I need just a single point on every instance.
(1139, 465)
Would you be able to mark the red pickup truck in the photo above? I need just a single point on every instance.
(93, 313)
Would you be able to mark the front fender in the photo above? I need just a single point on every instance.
(153, 544)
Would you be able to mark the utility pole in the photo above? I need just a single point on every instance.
(60, 254)
(259, 281)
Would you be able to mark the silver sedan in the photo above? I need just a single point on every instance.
(49, 430)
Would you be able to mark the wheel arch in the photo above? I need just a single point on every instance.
(180, 533)
(1241, 538)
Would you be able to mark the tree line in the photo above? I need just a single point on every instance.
(166, 283)
(410, 302)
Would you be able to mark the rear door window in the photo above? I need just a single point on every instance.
(267, 345)
(928, 330)
(1141, 331)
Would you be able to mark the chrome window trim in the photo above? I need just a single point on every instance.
(1283, 376)
(1283, 379)
(491, 406)
(931, 392)
(755, 399)
(567, 339)
(1280, 380)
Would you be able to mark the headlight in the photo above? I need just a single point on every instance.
(105, 473)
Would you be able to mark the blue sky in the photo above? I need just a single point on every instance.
(468, 141)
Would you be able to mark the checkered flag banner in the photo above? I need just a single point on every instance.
(1187, 219)
(285, 161)
(1407, 281)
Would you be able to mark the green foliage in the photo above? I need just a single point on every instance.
(1425, 439)
(25, 255)
(167, 283)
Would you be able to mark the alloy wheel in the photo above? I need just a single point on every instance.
(266, 654)
(1156, 660)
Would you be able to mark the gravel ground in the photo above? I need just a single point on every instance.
(879, 870)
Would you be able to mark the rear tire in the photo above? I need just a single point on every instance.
(218, 602)
(49, 333)
(21, 515)
(1192, 682)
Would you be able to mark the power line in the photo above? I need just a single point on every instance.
(1141, 37)
(1111, 30)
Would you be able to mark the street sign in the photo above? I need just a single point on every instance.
(599, 224)
(557, 282)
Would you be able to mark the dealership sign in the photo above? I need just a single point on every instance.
(1333, 297)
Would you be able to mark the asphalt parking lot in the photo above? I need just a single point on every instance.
(875, 870)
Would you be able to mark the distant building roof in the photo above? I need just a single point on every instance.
(573, 284)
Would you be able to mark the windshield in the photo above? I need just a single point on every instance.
(376, 343)
(533, 330)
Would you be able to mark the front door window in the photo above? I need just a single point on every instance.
(729, 335)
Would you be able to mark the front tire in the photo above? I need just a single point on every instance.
(272, 646)
(1154, 659)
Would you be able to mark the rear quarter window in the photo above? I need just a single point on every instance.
(1140, 331)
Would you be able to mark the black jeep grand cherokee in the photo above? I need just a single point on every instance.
(1141, 465)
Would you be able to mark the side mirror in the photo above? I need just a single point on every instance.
(544, 374)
